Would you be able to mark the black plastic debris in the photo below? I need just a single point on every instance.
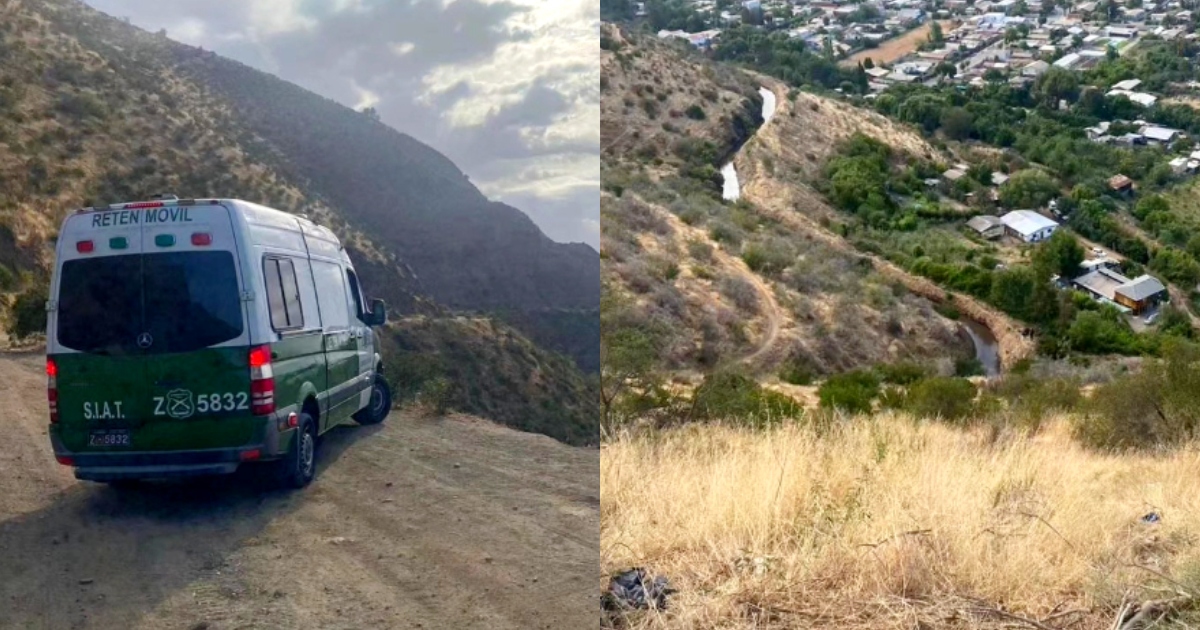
(1152, 517)
(630, 590)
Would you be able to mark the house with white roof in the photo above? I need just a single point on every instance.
(1161, 135)
(1029, 226)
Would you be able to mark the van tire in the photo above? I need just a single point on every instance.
(298, 467)
(380, 405)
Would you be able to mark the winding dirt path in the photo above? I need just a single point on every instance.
(781, 202)
(415, 523)
(774, 317)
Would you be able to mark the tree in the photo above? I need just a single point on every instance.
(1056, 84)
(1011, 290)
(1150, 204)
(868, 64)
(936, 37)
(1061, 255)
(629, 352)
(923, 109)
(371, 112)
(956, 124)
(1029, 188)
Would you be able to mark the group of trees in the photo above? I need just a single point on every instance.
(789, 59)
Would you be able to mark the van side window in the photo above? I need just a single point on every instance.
(283, 294)
(331, 295)
(355, 295)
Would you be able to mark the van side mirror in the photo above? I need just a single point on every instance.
(378, 314)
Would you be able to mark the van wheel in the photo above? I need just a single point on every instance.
(379, 406)
(297, 468)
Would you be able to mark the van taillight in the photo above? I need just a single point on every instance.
(262, 382)
(52, 388)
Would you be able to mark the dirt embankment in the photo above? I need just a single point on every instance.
(418, 523)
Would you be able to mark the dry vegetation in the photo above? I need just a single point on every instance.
(889, 523)
(647, 88)
(777, 169)
(732, 283)
(897, 47)
(74, 129)
(94, 111)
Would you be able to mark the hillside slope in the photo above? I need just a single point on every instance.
(467, 251)
(94, 111)
(731, 282)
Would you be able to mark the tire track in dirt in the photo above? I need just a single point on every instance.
(416, 523)
(774, 317)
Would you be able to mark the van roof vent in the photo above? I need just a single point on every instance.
(164, 197)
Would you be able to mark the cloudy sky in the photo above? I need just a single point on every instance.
(507, 89)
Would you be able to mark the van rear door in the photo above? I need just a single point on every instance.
(161, 328)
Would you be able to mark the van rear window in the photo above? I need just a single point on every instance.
(183, 301)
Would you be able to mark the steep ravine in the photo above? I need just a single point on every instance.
(731, 189)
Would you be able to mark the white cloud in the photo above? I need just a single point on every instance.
(190, 31)
(403, 48)
(366, 98)
(271, 17)
(559, 40)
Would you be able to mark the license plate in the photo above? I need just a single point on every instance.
(110, 437)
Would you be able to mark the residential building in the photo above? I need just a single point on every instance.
(1120, 184)
(1029, 226)
(1107, 285)
(987, 226)
(1161, 135)
(1141, 293)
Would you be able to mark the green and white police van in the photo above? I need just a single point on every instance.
(188, 337)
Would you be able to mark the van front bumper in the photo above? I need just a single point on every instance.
(117, 465)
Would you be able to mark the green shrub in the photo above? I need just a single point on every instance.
(8, 279)
(902, 373)
(970, 366)
(851, 392)
(733, 396)
(893, 397)
(695, 112)
(944, 398)
(29, 313)
(1159, 406)
(798, 372)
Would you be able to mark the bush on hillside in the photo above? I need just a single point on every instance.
(735, 397)
(969, 366)
(1158, 406)
(942, 398)
(8, 279)
(902, 372)
(29, 313)
(850, 392)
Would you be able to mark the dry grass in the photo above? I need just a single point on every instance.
(896, 48)
(885, 523)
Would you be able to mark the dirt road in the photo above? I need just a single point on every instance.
(418, 523)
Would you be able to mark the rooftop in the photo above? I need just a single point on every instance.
(1141, 288)
(984, 222)
(1102, 281)
(1027, 222)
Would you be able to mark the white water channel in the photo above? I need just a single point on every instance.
(732, 189)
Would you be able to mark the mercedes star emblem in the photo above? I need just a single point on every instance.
(144, 340)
